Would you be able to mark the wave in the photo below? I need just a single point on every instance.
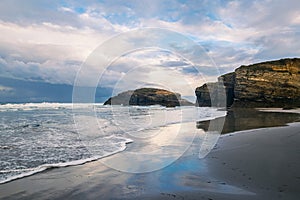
(41, 168)
(31, 171)
(45, 105)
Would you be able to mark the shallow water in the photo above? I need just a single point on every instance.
(35, 137)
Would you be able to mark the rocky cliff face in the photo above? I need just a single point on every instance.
(220, 94)
(210, 95)
(267, 84)
(148, 96)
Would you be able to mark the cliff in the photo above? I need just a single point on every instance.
(219, 94)
(148, 96)
(267, 84)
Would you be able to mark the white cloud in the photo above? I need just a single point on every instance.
(66, 9)
(46, 47)
(5, 89)
(75, 43)
(154, 67)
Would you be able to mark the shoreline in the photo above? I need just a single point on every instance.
(256, 129)
(282, 110)
(188, 177)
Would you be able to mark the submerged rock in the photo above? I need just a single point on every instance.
(148, 96)
(267, 84)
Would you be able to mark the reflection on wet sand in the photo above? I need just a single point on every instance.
(246, 119)
(164, 147)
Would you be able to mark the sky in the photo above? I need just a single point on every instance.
(44, 44)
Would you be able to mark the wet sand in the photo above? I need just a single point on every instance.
(261, 163)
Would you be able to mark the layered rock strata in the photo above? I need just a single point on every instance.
(266, 84)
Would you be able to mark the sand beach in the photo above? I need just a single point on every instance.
(256, 163)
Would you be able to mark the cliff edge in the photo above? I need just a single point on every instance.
(266, 84)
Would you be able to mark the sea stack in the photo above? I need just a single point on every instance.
(147, 97)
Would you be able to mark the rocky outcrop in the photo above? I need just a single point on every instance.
(218, 94)
(148, 96)
(267, 84)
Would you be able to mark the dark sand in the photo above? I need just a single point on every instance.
(250, 164)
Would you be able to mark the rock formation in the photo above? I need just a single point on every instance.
(267, 84)
(148, 96)
(218, 94)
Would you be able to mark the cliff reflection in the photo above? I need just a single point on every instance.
(245, 119)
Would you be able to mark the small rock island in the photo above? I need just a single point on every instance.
(147, 97)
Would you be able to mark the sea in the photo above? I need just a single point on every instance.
(37, 136)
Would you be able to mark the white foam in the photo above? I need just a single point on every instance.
(45, 105)
(31, 171)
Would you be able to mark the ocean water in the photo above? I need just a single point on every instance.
(35, 137)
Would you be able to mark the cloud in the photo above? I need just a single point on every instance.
(48, 41)
(5, 89)
(243, 32)
(154, 68)
(49, 48)
(54, 54)
(265, 15)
